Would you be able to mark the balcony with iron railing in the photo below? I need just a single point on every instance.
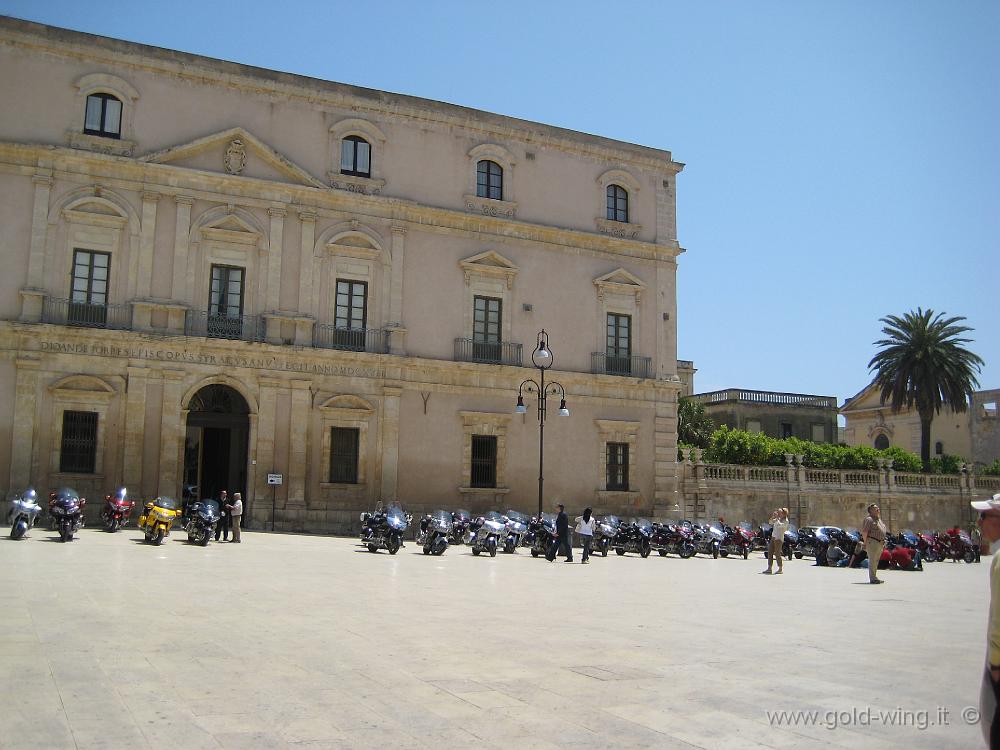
(232, 327)
(373, 340)
(633, 366)
(86, 314)
(488, 352)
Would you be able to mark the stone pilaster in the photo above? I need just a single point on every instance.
(25, 405)
(298, 443)
(666, 319)
(182, 242)
(171, 434)
(265, 445)
(272, 299)
(665, 452)
(308, 219)
(390, 441)
(147, 236)
(397, 332)
(666, 212)
(135, 417)
(33, 297)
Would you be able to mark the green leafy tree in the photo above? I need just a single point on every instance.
(924, 365)
(694, 427)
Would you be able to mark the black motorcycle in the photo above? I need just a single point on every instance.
(634, 537)
(66, 510)
(202, 516)
(541, 532)
(460, 521)
(434, 531)
(383, 529)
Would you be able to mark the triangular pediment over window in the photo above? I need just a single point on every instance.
(619, 281)
(490, 263)
(237, 152)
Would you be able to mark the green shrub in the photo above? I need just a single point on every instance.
(946, 464)
(993, 470)
(728, 446)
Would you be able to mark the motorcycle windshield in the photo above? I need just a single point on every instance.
(462, 515)
(644, 525)
(396, 518)
(517, 517)
(495, 517)
(209, 509)
(792, 534)
(716, 532)
(441, 520)
(67, 499)
(549, 519)
(853, 533)
(167, 503)
(745, 525)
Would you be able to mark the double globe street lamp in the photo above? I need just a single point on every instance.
(541, 358)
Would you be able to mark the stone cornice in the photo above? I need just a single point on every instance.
(115, 53)
(130, 174)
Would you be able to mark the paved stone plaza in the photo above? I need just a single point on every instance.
(310, 642)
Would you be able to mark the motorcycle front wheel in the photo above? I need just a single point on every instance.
(158, 537)
(534, 552)
(619, 551)
(746, 553)
(66, 535)
(970, 556)
(392, 544)
(686, 551)
(476, 551)
(373, 548)
(663, 552)
(19, 529)
(205, 536)
(644, 552)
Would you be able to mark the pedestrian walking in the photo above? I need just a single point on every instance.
(222, 527)
(989, 717)
(561, 539)
(236, 511)
(585, 528)
(779, 525)
(873, 538)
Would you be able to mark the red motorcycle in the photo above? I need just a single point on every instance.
(677, 538)
(737, 541)
(117, 509)
(956, 545)
(930, 547)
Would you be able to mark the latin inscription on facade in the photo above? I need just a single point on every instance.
(163, 354)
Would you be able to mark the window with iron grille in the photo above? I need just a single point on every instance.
(88, 295)
(619, 344)
(617, 203)
(489, 180)
(484, 461)
(355, 157)
(344, 455)
(618, 466)
(78, 451)
(103, 116)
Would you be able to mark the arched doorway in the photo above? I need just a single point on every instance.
(215, 444)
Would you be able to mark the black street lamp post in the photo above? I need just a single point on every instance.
(541, 358)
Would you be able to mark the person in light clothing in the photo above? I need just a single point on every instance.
(779, 525)
(989, 717)
(873, 538)
(585, 528)
(236, 511)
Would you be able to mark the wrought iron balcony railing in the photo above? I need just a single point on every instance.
(86, 314)
(374, 340)
(632, 366)
(234, 327)
(488, 352)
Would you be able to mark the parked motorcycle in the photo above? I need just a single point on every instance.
(484, 533)
(541, 531)
(956, 545)
(634, 537)
(117, 509)
(66, 509)
(383, 529)
(676, 538)
(435, 529)
(806, 545)
(517, 528)
(157, 518)
(708, 539)
(604, 531)
(200, 521)
(930, 547)
(23, 512)
(791, 541)
(460, 521)
(736, 541)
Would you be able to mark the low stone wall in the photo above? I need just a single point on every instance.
(820, 496)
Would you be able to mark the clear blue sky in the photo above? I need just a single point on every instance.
(843, 157)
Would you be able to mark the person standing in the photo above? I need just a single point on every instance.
(561, 540)
(585, 528)
(779, 525)
(222, 527)
(236, 511)
(873, 538)
(989, 717)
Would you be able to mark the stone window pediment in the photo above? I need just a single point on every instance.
(82, 386)
(620, 282)
(489, 264)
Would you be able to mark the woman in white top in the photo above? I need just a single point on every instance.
(585, 528)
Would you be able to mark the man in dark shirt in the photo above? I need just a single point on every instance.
(222, 527)
(561, 539)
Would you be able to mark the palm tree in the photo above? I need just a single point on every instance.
(923, 364)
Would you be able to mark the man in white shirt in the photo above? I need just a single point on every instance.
(236, 509)
(779, 525)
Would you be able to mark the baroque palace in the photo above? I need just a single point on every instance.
(215, 273)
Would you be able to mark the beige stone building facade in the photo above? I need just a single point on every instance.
(215, 273)
(973, 434)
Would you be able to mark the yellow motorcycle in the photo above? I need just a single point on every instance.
(157, 518)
